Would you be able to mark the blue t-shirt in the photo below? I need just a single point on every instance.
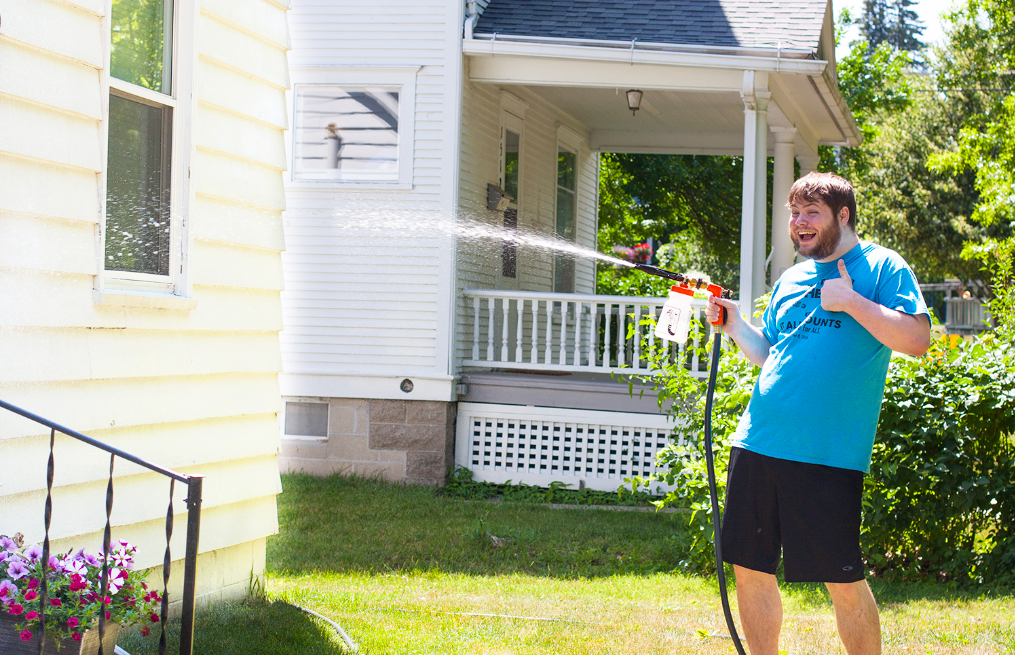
(819, 393)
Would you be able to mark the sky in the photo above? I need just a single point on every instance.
(929, 12)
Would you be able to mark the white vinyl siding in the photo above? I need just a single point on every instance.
(479, 264)
(367, 268)
(195, 390)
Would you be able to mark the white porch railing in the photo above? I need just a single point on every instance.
(567, 332)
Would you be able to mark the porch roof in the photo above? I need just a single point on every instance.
(793, 25)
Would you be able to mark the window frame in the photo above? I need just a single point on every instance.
(569, 141)
(402, 77)
(181, 101)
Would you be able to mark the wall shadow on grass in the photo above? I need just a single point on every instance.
(251, 627)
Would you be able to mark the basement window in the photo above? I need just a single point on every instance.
(306, 419)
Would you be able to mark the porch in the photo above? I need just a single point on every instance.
(543, 390)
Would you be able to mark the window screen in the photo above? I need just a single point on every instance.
(347, 134)
(306, 419)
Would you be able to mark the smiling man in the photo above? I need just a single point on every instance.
(804, 443)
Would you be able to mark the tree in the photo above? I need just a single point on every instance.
(977, 71)
(690, 203)
(891, 22)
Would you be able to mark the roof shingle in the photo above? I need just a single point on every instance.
(792, 24)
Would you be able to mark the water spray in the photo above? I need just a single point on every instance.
(686, 285)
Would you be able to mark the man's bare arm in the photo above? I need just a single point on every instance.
(748, 337)
(904, 333)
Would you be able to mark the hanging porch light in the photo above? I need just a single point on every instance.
(634, 100)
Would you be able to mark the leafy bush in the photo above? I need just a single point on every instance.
(940, 499)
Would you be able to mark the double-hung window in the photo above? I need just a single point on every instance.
(141, 238)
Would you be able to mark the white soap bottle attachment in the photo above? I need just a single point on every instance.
(675, 320)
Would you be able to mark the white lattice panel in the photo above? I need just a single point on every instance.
(538, 445)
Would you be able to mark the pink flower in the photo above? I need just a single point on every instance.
(145, 631)
(26, 635)
(34, 552)
(7, 590)
(76, 637)
(55, 602)
(7, 543)
(116, 580)
(16, 609)
(77, 583)
(17, 570)
(74, 566)
(155, 618)
(31, 616)
(108, 615)
(73, 622)
(33, 583)
(31, 594)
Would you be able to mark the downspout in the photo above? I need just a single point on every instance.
(471, 17)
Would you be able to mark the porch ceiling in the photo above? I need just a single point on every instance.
(685, 122)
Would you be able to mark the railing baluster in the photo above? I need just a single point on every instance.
(106, 534)
(636, 356)
(475, 327)
(608, 318)
(47, 519)
(621, 334)
(548, 351)
(593, 334)
(505, 306)
(491, 308)
(563, 333)
(166, 562)
(578, 333)
(697, 335)
(534, 350)
(520, 307)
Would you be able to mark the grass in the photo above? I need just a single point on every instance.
(405, 571)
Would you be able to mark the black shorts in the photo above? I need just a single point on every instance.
(811, 511)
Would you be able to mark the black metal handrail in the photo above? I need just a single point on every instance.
(194, 486)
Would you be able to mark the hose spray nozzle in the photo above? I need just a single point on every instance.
(691, 283)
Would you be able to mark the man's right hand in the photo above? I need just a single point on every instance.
(750, 339)
(712, 312)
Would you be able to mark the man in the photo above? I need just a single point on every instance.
(802, 447)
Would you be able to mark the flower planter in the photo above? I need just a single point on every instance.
(11, 644)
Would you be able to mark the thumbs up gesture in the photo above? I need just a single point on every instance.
(837, 294)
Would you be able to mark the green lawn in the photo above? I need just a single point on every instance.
(404, 570)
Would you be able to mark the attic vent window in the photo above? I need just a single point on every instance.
(346, 133)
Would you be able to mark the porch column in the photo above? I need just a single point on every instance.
(808, 162)
(782, 180)
(753, 217)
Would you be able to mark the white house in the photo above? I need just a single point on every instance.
(141, 159)
(408, 346)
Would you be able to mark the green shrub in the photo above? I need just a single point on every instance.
(940, 499)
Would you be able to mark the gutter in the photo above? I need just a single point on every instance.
(775, 49)
(774, 60)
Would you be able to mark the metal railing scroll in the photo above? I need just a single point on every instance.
(193, 500)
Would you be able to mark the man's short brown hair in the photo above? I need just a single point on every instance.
(828, 189)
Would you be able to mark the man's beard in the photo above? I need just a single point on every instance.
(824, 244)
